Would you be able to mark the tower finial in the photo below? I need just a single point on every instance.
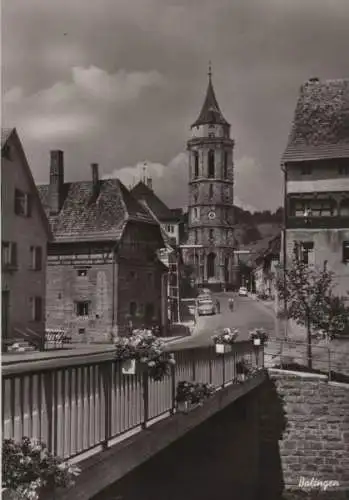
(209, 70)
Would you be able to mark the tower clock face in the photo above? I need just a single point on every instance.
(212, 215)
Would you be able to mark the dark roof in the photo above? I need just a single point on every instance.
(320, 128)
(210, 112)
(142, 192)
(10, 136)
(86, 217)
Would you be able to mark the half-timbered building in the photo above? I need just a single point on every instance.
(103, 275)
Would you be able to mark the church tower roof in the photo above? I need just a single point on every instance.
(210, 112)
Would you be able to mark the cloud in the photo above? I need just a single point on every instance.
(170, 182)
(73, 108)
(119, 87)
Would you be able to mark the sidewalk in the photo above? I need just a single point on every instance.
(69, 350)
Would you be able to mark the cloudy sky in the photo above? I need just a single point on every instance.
(119, 82)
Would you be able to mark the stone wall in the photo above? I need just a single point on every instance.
(315, 443)
(65, 287)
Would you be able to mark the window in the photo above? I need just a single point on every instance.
(195, 198)
(306, 169)
(210, 135)
(211, 191)
(82, 273)
(195, 236)
(170, 228)
(37, 308)
(211, 164)
(82, 308)
(36, 258)
(196, 164)
(322, 208)
(343, 170)
(9, 254)
(196, 213)
(305, 251)
(22, 203)
(133, 309)
(211, 234)
(225, 164)
(345, 251)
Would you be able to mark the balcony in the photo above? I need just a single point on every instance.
(311, 222)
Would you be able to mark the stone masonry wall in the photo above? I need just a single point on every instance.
(315, 443)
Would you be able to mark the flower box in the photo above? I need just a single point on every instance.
(223, 348)
(129, 366)
(257, 341)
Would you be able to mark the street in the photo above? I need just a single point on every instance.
(247, 314)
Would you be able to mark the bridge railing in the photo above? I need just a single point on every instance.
(81, 403)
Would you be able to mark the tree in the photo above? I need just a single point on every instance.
(334, 317)
(308, 292)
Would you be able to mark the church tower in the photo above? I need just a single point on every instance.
(210, 248)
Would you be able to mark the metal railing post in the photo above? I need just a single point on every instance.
(223, 370)
(329, 364)
(145, 399)
(107, 387)
(173, 389)
(48, 389)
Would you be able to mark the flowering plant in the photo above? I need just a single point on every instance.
(259, 333)
(244, 368)
(28, 467)
(146, 348)
(193, 392)
(228, 336)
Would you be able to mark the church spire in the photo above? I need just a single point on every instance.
(210, 112)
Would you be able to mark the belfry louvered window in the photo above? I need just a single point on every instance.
(211, 164)
(196, 164)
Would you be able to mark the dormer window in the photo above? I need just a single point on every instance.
(211, 164)
(306, 169)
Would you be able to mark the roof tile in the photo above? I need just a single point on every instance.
(320, 128)
(85, 217)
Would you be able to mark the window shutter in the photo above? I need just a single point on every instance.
(17, 203)
(29, 200)
(38, 258)
(14, 254)
(37, 309)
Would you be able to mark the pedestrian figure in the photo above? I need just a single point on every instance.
(218, 306)
(231, 304)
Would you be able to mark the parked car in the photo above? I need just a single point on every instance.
(206, 306)
(204, 296)
(243, 291)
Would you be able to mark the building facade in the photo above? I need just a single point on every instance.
(171, 220)
(211, 242)
(171, 223)
(24, 235)
(316, 169)
(103, 274)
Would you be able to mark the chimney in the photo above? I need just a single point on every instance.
(56, 181)
(95, 178)
(150, 183)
